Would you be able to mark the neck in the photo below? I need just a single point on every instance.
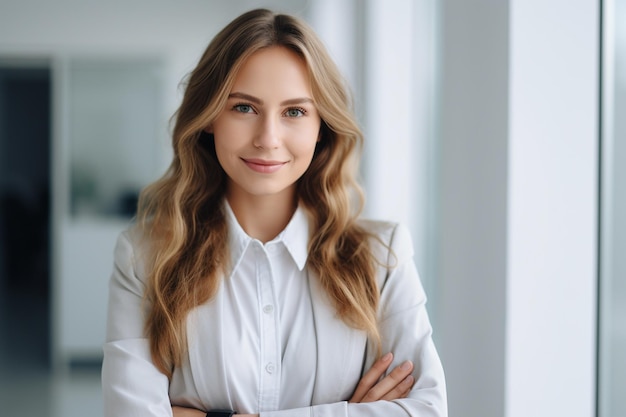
(263, 217)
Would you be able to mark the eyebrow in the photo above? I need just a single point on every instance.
(256, 100)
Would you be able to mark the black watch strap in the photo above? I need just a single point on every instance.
(221, 413)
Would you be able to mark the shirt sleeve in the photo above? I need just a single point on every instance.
(406, 331)
(132, 386)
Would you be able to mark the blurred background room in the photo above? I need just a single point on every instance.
(493, 131)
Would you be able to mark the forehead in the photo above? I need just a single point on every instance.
(273, 71)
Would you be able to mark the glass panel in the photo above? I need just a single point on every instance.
(114, 116)
(612, 363)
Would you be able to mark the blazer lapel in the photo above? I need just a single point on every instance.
(340, 350)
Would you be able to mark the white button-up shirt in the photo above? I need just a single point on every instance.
(269, 342)
(267, 318)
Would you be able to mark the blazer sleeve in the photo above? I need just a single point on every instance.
(405, 330)
(132, 386)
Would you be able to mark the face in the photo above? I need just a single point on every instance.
(266, 135)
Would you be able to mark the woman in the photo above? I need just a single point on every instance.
(248, 282)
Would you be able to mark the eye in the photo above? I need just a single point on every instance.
(243, 108)
(295, 112)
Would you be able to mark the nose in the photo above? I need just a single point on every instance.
(268, 134)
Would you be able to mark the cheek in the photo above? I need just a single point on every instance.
(225, 150)
(227, 138)
(308, 142)
(220, 147)
(304, 150)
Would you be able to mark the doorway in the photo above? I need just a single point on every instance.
(25, 183)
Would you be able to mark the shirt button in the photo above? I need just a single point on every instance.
(268, 309)
(269, 368)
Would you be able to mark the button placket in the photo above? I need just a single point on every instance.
(270, 350)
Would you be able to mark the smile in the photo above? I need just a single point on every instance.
(263, 166)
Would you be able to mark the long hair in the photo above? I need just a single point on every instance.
(182, 216)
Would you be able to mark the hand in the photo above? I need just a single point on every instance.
(394, 386)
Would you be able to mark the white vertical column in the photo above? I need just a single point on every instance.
(390, 109)
(612, 361)
(386, 50)
(552, 216)
(338, 25)
(425, 158)
(472, 196)
(519, 139)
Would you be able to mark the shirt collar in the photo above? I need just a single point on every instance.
(295, 237)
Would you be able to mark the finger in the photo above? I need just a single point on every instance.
(401, 390)
(371, 377)
(403, 395)
(389, 382)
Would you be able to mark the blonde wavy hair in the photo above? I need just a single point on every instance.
(182, 216)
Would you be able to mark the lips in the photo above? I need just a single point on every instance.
(263, 166)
